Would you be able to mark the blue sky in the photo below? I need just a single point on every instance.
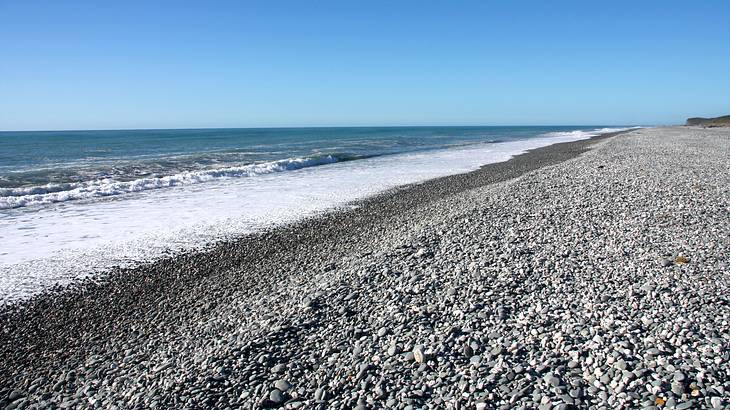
(127, 64)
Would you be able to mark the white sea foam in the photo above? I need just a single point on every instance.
(52, 193)
(57, 244)
(585, 134)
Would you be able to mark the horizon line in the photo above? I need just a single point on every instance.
(323, 126)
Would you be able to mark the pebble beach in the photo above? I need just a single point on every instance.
(589, 274)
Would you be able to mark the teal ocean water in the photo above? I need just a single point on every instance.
(38, 168)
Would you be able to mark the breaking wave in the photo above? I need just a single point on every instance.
(52, 193)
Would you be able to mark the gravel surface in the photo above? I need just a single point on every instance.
(550, 281)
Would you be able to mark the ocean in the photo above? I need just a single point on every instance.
(75, 203)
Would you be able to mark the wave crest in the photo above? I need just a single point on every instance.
(52, 193)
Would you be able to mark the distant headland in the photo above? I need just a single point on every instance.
(723, 121)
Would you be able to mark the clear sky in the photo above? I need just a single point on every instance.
(155, 64)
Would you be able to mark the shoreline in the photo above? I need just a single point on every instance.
(425, 191)
(124, 293)
(326, 311)
(56, 244)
